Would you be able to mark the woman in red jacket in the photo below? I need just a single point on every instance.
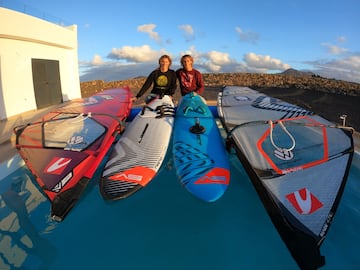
(190, 79)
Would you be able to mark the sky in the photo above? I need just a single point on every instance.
(121, 39)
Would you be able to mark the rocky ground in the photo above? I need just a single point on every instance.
(328, 105)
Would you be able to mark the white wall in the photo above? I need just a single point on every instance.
(23, 37)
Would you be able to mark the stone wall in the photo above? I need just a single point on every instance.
(254, 80)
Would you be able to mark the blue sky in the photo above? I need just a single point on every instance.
(123, 39)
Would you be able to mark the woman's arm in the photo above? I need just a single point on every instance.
(146, 85)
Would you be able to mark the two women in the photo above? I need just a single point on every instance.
(163, 78)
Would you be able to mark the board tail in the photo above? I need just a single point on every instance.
(198, 173)
(116, 190)
(121, 185)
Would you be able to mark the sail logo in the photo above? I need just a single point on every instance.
(75, 143)
(57, 165)
(107, 97)
(86, 102)
(215, 179)
(304, 201)
(215, 176)
(59, 186)
(90, 101)
(242, 98)
(284, 154)
(126, 177)
(76, 140)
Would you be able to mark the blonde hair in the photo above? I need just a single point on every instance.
(165, 56)
(186, 56)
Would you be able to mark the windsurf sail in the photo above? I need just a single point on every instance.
(298, 162)
(65, 147)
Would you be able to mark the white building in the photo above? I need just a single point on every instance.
(38, 63)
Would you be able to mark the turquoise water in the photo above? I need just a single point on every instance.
(161, 227)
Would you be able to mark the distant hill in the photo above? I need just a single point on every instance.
(295, 72)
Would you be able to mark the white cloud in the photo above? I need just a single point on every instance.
(188, 32)
(214, 61)
(351, 63)
(97, 60)
(194, 53)
(134, 61)
(333, 49)
(137, 54)
(187, 28)
(219, 58)
(212, 67)
(248, 36)
(347, 69)
(192, 50)
(113, 71)
(149, 29)
(264, 62)
(341, 39)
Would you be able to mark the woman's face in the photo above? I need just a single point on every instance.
(187, 63)
(164, 64)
